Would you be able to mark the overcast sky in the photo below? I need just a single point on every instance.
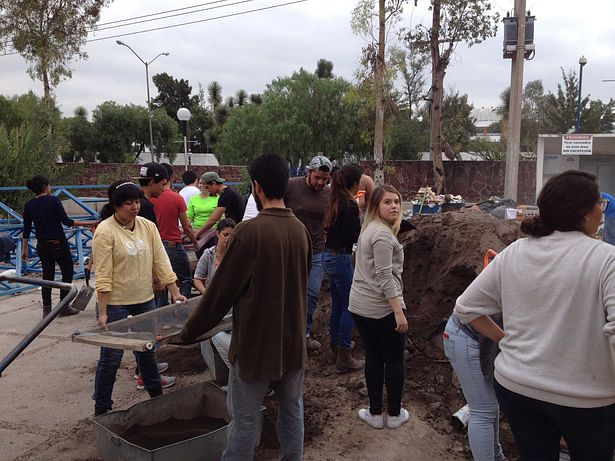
(248, 51)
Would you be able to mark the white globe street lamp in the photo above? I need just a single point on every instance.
(183, 115)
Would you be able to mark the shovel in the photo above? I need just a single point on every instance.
(85, 293)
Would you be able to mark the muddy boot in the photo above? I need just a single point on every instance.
(68, 311)
(345, 362)
(46, 310)
(155, 392)
(100, 411)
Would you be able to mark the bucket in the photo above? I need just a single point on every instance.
(199, 408)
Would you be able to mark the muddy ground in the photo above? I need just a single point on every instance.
(46, 393)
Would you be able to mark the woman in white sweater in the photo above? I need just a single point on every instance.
(377, 307)
(555, 374)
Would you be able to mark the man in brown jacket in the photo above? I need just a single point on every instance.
(263, 276)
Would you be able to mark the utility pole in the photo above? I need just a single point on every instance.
(379, 86)
(514, 114)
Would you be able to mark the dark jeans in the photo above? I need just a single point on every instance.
(51, 252)
(384, 361)
(110, 359)
(181, 267)
(339, 273)
(537, 427)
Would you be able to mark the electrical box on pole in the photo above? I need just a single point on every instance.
(510, 36)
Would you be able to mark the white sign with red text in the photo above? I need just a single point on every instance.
(577, 144)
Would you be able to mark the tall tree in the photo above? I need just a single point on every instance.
(561, 108)
(172, 94)
(324, 68)
(453, 21)
(412, 62)
(48, 34)
(375, 21)
(79, 132)
(457, 124)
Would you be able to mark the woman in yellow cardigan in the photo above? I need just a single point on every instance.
(126, 248)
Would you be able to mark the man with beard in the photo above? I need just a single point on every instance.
(263, 276)
(307, 197)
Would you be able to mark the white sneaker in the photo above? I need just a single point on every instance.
(393, 422)
(375, 421)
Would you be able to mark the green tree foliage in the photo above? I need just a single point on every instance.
(324, 68)
(408, 137)
(300, 116)
(172, 94)
(457, 124)
(243, 136)
(48, 34)
(80, 135)
(488, 150)
(119, 131)
(561, 108)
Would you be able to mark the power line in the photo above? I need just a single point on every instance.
(97, 29)
(240, 13)
(161, 12)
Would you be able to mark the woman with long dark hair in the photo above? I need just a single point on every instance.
(555, 373)
(377, 306)
(126, 248)
(342, 223)
(45, 210)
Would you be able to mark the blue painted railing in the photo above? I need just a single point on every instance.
(79, 238)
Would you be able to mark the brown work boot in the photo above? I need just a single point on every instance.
(345, 362)
(68, 311)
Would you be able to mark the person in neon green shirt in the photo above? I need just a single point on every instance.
(201, 206)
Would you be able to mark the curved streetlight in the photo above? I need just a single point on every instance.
(149, 104)
(582, 62)
(183, 115)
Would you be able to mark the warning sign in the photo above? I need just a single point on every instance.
(577, 144)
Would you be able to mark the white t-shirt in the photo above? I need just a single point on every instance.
(188, 192)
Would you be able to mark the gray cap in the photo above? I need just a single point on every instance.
(211, 176)
(320, 163)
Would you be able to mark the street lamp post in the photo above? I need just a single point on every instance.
(149, 104)
(183, 115)
(582, 62)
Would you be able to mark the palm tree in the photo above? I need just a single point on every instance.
(241, 97)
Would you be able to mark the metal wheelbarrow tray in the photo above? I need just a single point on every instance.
(200, 400)
(149, 330)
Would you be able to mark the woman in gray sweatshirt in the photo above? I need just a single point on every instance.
(377, 307)
(555, 374)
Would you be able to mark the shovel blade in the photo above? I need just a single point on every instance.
(83, 298)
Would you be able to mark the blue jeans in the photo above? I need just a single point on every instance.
(244, 401)
(110, 359)
(339, 272)
(608, 232)
(537, 427)
(181, 267)
(314, 284)
(483, 429)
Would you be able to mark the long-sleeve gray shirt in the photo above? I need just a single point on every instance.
(377, 274)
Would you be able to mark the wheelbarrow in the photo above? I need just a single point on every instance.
(25, 342)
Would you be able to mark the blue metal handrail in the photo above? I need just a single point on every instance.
(79, 238)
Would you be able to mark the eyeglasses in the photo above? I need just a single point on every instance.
(604, 203)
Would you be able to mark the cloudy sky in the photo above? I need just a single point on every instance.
(247, 51)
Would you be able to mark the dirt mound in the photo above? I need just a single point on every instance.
(441, 258)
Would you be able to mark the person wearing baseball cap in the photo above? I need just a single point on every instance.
(152, 178)
(230, 203)
(307, 197)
